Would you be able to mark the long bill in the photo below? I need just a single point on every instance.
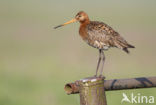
(71, 21)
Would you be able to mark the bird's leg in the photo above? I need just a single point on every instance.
(98, 62)
(103, 61)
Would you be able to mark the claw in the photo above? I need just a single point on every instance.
(100, 75)
(95, 75)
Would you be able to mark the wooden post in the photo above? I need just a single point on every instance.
(92, 91)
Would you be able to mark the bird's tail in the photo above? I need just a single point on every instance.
(128, 46)
(122, 44)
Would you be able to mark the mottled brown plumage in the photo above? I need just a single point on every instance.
(99, 35)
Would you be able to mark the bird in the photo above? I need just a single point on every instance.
(98, 35)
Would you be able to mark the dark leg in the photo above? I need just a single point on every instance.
(98, 62)
(103, 61)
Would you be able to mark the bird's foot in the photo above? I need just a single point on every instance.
(95, 75)
(100, 75)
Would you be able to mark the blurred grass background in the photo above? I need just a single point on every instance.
(36, 60)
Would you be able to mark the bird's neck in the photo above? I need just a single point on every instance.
(82, 29)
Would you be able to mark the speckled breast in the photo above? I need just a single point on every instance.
(97, 44)
(92, 40)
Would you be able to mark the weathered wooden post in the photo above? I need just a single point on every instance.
(92, 91)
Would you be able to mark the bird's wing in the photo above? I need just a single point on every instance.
(101, 32)
(98, 31)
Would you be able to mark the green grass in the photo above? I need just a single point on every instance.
(36, 61)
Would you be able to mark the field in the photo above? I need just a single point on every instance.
(36, 61)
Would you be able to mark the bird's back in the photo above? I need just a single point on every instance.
(102, 36)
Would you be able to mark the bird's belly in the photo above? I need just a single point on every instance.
(97, 44)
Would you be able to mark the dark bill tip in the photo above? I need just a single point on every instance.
(58, 26)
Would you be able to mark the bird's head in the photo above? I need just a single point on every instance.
(82, 17)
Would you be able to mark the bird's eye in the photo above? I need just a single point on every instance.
(79, 15)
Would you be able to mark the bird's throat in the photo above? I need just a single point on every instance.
(82, 31)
